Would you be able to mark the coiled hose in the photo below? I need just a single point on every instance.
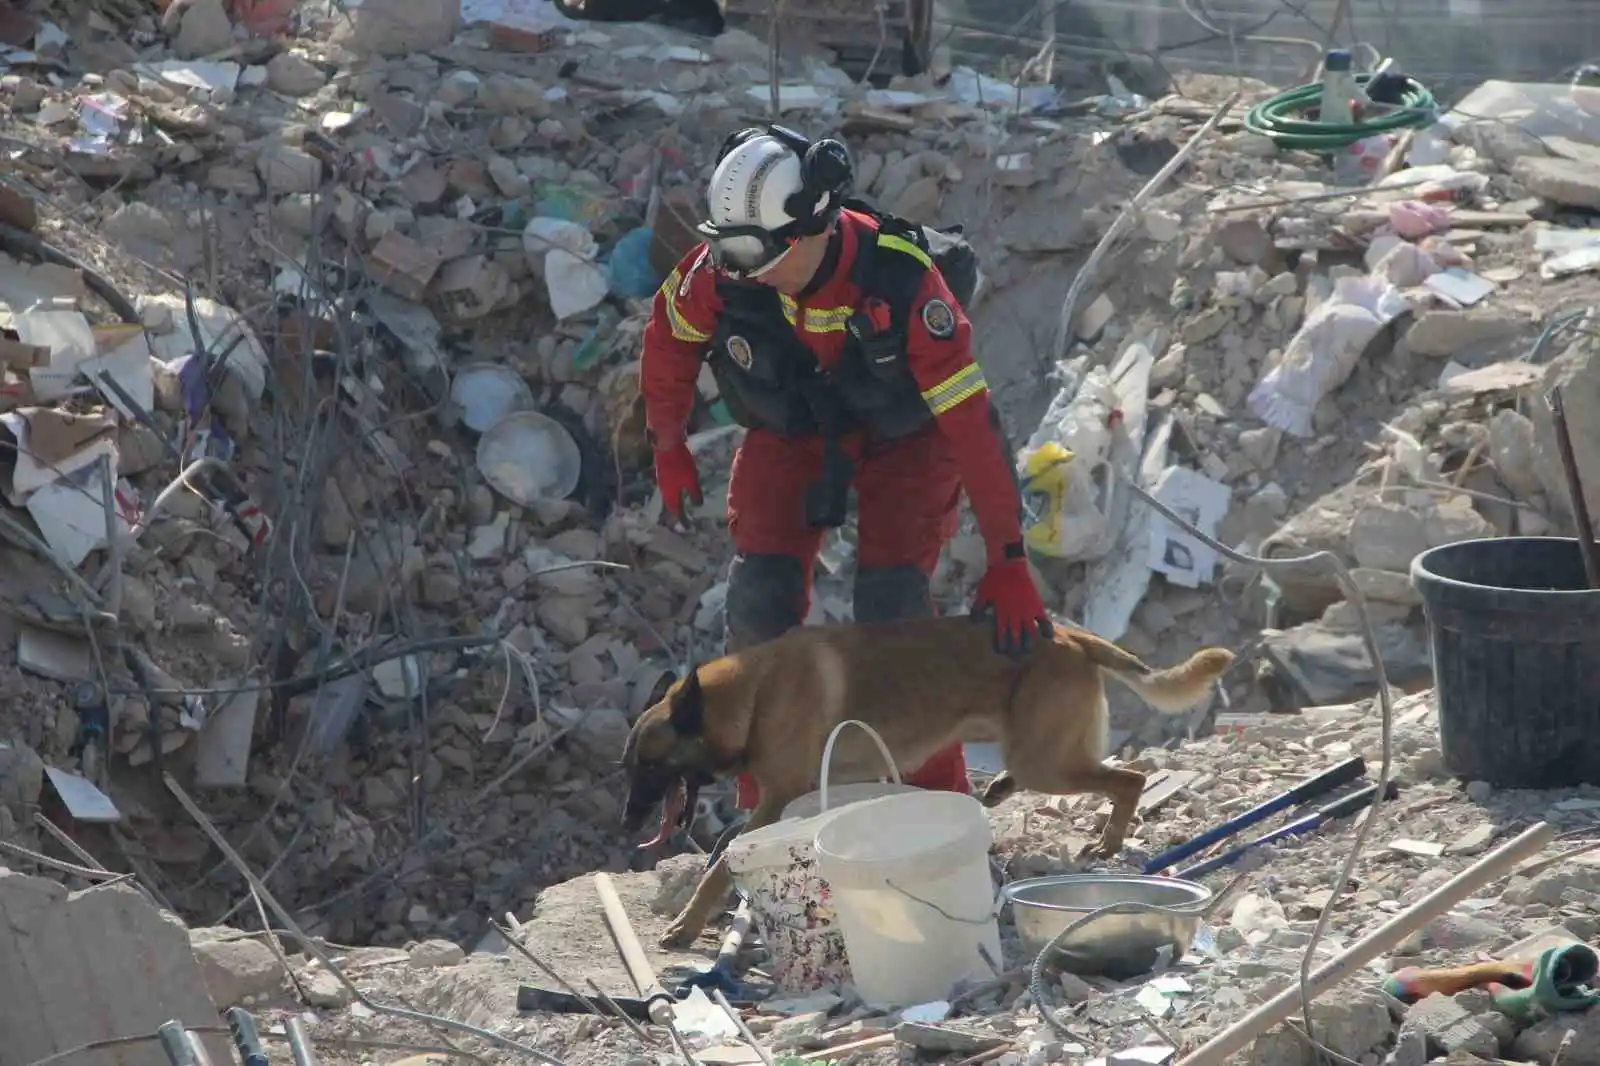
(1278, 118)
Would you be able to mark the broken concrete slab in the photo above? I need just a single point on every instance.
(84, 966)
(1563, 181)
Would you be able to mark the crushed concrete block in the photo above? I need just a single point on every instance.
(83, 966)
(236, 969)
(204, 29)
(403, 266)
(1410, 1047)
(1577, 373)
(392, 27)
(1563, 181)
(1385, 536)
(21, 778)
(1513, 452)
(1350, 1025)
(1245, 241)
(1452, 333)
(293, 74)
(326, 990)
(287, 169)
(1452, 1027)
(431, 953)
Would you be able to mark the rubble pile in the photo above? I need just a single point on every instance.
(420, 247)
(1357, 371)
(328, 495)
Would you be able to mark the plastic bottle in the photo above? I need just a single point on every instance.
(1338, 89)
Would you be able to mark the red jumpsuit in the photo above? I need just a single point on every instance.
(908, 489)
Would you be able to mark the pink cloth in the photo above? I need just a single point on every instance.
(1413, 220)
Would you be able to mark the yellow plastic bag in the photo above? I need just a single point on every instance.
(1044, 494)
(1067, 500)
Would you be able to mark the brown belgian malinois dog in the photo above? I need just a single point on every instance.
(767, 711)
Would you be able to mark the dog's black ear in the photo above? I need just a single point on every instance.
(689, 706)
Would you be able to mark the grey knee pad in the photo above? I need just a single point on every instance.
(887, 594)
(766, 598)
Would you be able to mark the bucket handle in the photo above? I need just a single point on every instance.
(827, 756)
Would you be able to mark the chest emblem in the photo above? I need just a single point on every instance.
(739, 352)
(939, 320)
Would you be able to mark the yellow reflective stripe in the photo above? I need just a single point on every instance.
(680, 327)
(827, 319)
(905, 247)
(790, 308)
(962, 385)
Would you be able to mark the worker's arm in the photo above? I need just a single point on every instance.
(682, 319)
(939, 353)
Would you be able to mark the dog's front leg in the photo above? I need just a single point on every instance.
(716, 882)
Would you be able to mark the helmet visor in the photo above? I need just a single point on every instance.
(743, 251)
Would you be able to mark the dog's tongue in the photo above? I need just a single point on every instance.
(671, 809)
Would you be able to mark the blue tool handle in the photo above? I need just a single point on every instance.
(1339, 808)
(1232, 855)
(1333, 777)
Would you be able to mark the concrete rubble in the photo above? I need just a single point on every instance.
(364, 648)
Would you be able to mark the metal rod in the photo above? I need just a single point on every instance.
(299, 1043)
(1580, 506)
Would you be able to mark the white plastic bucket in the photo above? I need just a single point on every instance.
(912, 894)
(775, 868)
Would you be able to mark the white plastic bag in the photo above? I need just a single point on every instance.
(1068, 478)
(564, 254)
(1323, 353)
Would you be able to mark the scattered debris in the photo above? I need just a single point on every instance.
(326, 491)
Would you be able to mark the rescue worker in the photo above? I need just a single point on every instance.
(835, 340)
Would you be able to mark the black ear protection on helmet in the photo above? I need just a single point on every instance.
(826, 175)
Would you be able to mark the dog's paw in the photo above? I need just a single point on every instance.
(680, 934)
(1002, 788)
(1100, 849)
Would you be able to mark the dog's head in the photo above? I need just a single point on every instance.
(667, 759)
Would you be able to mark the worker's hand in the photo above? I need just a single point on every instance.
(1007, 592)
(677, 478)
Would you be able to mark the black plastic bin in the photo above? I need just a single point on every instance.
(1516, 660)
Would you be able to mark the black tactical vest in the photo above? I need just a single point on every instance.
(771, 381)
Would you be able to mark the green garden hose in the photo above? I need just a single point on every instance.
(1276, 119)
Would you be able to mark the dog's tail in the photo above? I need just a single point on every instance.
(1171, 691)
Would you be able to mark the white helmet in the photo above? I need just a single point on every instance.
(751, 228)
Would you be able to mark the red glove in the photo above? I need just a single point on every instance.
(677, 478)
(1007, 591)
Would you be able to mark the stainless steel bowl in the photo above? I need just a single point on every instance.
(1116, 945)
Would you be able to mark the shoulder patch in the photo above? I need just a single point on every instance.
(938, 319)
